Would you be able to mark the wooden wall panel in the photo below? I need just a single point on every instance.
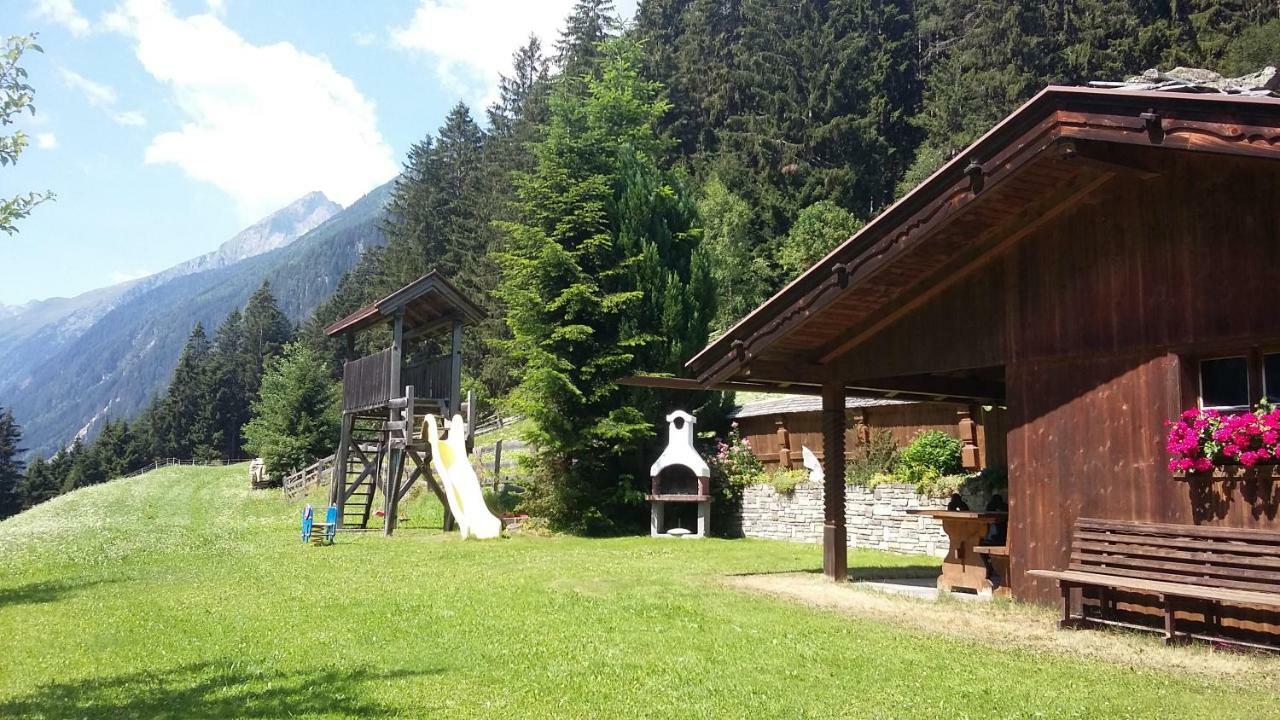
(903, 421)
(962, 328)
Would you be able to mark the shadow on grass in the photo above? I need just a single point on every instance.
(209, 691)
(45, 592)
(860, 573)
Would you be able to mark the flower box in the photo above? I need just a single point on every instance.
(1207, 442)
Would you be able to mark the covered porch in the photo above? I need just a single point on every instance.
(1052, 269)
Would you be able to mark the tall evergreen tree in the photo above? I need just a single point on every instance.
(183, 423)
(266, 330)
(38, 485)
(603, 277)
(578, 51)
(11, 466)
(228, 373)
(295, 420)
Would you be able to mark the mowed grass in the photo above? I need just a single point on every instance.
(181, 594)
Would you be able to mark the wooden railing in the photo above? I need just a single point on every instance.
(366, 382)
(431, 378)
(317, 473)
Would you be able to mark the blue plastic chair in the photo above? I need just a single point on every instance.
(308, 519)
(329, 527)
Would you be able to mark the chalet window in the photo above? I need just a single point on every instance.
(1271, 377)
(1224, 383)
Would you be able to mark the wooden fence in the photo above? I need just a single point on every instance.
(366, 382)
(317, 473)
(168, 462)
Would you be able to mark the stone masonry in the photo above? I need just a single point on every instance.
(877, 519)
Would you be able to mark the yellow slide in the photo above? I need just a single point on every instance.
(458, 478)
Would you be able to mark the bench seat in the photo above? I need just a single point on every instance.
(1190, 568)
(1161, 587)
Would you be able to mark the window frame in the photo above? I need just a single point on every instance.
(1262, 373)
(1249, 368)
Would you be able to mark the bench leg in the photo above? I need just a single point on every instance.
(1170, 635)
(1067, 621)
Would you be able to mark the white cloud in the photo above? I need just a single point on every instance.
(62, 12)
(102, 97)
(217, 7)
(264, 123)
(46, 141)
(471, 41)
(364, 39)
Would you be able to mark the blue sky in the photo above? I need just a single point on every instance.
(165, 127)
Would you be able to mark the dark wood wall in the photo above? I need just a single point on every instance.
(1098, 319)
(1112, 308)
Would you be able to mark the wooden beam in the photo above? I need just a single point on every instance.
(928, 288)
(935, 386)
(1106, 158)
(835, 548)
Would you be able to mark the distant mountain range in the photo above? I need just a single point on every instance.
(66, 364)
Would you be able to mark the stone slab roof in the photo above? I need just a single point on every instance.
(1264, 83)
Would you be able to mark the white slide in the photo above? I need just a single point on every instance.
(458, 478)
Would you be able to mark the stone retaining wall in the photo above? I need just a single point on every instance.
(876, 518)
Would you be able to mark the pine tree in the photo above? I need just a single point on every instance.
(521, 95)
(603, 277)
(38, 485)
(229, 371)
(86, 467)
(295, 419)
(266, 330)
(183, 422)
(578, 51)
(117, 449)
(11, 466)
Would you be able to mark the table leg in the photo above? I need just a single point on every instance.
(963, 568)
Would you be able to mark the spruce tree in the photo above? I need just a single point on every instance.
(87, 467)
(578, 51)
(228, 373)
(38, 485)
(11, 465)
(184, 422)
(266, 330)
(295, 419)
(603, 277)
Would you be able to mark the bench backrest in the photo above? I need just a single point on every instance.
(1209, 556)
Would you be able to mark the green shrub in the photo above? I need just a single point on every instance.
(932, 453)
(785, 481)
(875, 457)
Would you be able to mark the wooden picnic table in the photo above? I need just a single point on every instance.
(963, 567)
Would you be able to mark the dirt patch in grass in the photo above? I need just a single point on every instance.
(1006, 625)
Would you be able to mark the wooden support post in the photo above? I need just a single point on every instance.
(399, 442)
(835, 551)
(497, 465)
(397, 353)
(784, 443)
(967, 429)
(455, 370)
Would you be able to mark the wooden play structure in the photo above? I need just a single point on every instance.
(386, 395)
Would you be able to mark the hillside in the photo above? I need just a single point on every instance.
(127, 340)
(182, 594)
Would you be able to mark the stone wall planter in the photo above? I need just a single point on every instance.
(877, 519)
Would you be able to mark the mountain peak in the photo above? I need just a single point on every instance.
(279, 228)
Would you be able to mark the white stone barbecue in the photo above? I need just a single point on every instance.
(680, 475)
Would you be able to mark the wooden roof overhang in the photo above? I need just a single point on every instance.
(1052, 153)
(428, 303)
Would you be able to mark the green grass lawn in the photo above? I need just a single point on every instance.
(181, 594)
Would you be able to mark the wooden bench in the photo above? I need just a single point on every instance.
(998, 556)
(1186, 567)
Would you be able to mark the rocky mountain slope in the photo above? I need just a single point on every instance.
(66, 364)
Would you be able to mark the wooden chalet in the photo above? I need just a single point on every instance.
(1096, 263)
(384, 395)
